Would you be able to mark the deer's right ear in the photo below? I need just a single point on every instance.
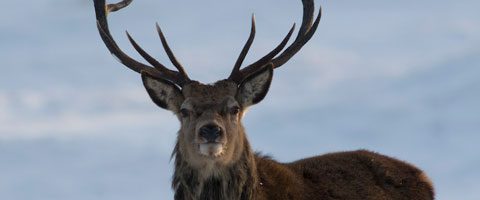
(164, 93)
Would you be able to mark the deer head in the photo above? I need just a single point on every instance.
(210, 114)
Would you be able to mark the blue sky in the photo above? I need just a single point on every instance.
(398, 77)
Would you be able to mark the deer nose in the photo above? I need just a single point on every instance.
(210, 132)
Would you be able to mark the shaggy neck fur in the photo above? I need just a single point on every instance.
(234, 182)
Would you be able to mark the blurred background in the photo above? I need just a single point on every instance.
(397, 77)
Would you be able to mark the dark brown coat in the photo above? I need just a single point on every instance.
(346, 175)
(361, 175)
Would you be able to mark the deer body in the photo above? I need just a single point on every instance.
(213, 158)
(246, 175)
(359, 175)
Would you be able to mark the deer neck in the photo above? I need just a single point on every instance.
(236, 181)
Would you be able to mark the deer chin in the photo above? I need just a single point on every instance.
(211, 150)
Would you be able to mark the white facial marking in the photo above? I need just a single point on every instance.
(211, 149)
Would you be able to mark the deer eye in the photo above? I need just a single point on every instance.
(184, 113)
(234, 110)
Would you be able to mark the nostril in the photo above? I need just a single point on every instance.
(210, 132)
(211, 128)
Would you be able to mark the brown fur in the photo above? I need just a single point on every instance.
(346, 175)
(242, 175)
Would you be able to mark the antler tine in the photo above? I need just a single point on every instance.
(117, 6)
(155, 63)
(304, 35)
(264, 60)
(101, 11)
(160, 71)
(243, 54)
(170, 54)
(307, 18)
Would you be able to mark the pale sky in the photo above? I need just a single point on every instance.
(398, 77)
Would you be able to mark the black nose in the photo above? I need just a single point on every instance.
(210, 132)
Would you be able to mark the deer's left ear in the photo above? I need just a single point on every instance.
(255, 87)
(163, 93)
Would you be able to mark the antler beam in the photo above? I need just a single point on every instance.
(179, 77)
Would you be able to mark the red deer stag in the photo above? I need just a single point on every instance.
(213, 158)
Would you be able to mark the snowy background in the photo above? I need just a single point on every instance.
(398, 77)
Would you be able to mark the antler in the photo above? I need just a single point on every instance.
(305, 33)
(180, 77)
(158, 70)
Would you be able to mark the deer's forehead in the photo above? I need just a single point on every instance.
(210, 93)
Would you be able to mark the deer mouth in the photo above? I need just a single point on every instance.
(211, 149)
